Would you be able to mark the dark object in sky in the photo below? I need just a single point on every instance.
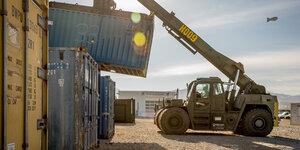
(272, 19)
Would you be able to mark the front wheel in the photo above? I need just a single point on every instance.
(174, 121)
(257, 122)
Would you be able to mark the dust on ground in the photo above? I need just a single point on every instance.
(146, 136)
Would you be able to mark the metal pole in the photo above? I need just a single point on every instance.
(233, 91)
(228, 90)
(4, 77)
(26, 29)
(177, 91)
(236, 79)
(228, 86)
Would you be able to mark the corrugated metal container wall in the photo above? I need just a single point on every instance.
(125, 111)
(23, 73)
(73, 98)
(106, 108)
(295, 114)
(112, 38)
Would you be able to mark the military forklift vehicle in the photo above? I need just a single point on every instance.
(246, 109)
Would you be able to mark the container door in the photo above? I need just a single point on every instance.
(35, 75)
(15, 75)
(30, 134)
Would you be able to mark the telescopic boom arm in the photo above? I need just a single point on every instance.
(195, 44)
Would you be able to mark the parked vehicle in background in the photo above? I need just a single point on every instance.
(288, 116)
(284, 115)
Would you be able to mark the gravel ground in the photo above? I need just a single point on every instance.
(146, 136)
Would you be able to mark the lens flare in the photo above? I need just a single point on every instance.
(139, 39)
(135, 17)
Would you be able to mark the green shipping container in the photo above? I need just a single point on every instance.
(125, 111)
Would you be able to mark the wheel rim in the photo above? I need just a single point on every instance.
(175, 122)
(259, 123)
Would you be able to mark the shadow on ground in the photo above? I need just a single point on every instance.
(125, 124)
(130, 146)
(233, 141)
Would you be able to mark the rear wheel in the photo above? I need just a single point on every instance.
(174, 121)
(257, 122)
(158, 118)
(156, 115)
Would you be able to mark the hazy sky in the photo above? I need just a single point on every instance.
(270, 51)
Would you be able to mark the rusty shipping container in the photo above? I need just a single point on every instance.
(106, 108)
(118, 40)
(125, 111)
(23, 74)
(73, 77)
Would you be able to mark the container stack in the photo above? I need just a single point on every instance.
(81, 103)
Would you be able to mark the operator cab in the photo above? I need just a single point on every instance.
(206, 103)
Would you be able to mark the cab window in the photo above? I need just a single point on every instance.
(203, 89)
(218, 90)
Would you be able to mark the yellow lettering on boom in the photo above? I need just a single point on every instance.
(188, 33)
(194, 38)
(182, 28)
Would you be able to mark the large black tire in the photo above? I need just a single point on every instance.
(257, 122)
(174, 121)
(158, 123)
(156, 115)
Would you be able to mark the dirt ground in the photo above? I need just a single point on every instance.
(146, 136)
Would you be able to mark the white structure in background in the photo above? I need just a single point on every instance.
(145, 100)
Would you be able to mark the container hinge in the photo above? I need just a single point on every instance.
(41, 124)
(25, 145)
(42, 22)
(26, 28)
(42, 73)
